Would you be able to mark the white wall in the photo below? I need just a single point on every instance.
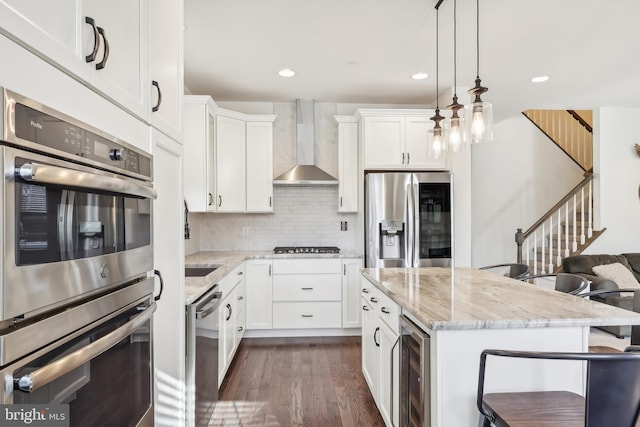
(515, 179)
(617, 176)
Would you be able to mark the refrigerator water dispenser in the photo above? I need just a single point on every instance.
(392, 238)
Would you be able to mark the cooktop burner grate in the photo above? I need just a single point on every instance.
(306, 250)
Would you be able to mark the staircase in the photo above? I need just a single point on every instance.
(567, 228)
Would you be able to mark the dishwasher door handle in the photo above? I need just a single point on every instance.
(208, 305)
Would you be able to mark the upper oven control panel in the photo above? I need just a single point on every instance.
(45, 127)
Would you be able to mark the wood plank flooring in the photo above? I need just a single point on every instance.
(311, 382)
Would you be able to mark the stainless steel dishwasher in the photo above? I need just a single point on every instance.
(415, 381)
(202, 357)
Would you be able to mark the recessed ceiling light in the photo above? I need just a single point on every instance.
(286, 72)
(420, 76)
(539, 79)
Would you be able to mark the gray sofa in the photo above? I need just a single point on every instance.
(583, 266)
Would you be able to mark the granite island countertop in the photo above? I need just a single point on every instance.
(467, 298)
(226, 261)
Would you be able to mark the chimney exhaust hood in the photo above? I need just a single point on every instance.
(305, 172)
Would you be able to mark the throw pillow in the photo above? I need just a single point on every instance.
(618, 273)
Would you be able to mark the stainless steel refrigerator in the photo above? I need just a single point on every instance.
(408, 219)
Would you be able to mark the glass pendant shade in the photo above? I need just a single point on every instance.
(436, 140)
(479, 119)
(456, 136)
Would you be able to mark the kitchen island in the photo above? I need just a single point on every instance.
(464, 311)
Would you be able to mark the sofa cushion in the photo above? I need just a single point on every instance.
(584, 263)
(618, 273)
(634, 263)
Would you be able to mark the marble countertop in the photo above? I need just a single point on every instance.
(467, 298)
(195, 287)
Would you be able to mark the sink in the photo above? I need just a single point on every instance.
(199, 271)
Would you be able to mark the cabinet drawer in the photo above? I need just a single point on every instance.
(389, 312)
(307, 266)
(228, 282)
(307, 287)
(307, 315)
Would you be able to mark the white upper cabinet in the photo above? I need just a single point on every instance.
(199, 162)
(165, 66)
(230, 166)
(103, 44)
(398, 139)
(260, 165)
(348, 166)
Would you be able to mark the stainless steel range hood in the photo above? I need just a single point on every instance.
(305, 172)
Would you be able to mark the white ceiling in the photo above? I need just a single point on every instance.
(365, 51)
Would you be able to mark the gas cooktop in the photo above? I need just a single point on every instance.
(306, 250)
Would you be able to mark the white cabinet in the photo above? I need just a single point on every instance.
(259, 294)
(351, 293)
(307, 293)
(168, 249)
(231, 317)
(398, 139)
(260, 165)
(103, 44)
(199, 134)
(228, 157)
(348, 166)
(380, 329)
(230, 164)
(165, 66)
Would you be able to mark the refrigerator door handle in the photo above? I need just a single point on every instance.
(408, 240)
(415, 235)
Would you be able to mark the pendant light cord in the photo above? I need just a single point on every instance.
(455, 84)
(437, 57)
(477, 39)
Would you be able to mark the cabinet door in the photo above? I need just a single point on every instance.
(384, 142)
(230, 165)
(348, 167)
(259, 294)
(370, 348)
(124, 76)
(240, 321)
(351, 293)
(165, 65)
(419, 148)
(50, 28)
(388, 392)
(199, 132)
(259, 167)
(168, 250)
(226, 336)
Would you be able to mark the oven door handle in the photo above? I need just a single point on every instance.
(60, 367)
(47, 174)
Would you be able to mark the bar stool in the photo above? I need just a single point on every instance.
(612, 395)
(516, 271)
(563, 282)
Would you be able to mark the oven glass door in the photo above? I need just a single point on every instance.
(112, 389)
(56, 223)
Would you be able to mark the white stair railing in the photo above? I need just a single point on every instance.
(542, 250)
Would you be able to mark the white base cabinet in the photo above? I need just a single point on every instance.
(380, 354)
(259, 294)
(231, 318)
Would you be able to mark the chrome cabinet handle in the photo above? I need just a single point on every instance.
(373, 299)
(240, 298)
(385, 310)
(365, 308)
(240, 329)
(403, 158)
(230, 310)
(270, 201)
(408, 158)
(307, 315)
(344, 269)
(100, 65)
(46, 174)
(63, 366)
(269, 269)
(157, 106)
(96, 39)
(210, 199)
(340, 201)
(307, 289)
(240, 273)
(219, 200)
(365, 290)
(374, 336)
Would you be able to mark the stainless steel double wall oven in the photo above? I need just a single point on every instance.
(76, 267)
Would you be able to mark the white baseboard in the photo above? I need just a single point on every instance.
(281, 333)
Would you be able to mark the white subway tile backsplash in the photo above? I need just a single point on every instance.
(302, 216)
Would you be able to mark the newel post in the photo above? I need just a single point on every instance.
(519, 241)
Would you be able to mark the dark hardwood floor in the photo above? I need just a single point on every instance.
(296, 382)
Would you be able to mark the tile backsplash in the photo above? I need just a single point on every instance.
(302, 216)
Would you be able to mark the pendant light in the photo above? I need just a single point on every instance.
(479, 112)
(438, 138)
(456, 131)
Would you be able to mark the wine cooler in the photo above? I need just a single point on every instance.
(415, 396)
